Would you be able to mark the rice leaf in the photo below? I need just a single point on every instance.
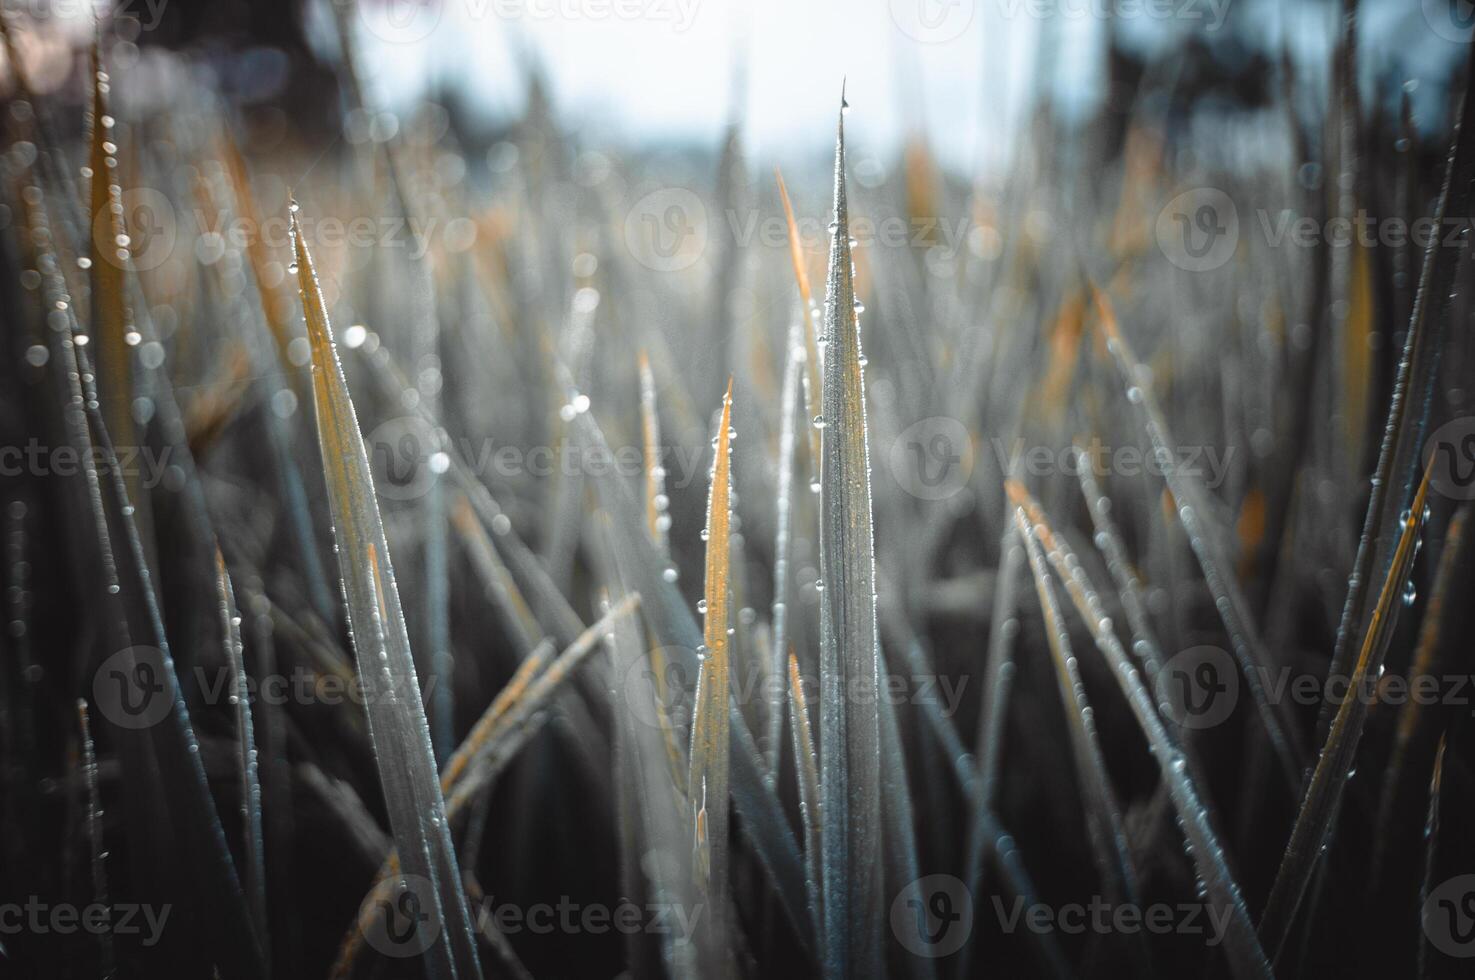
(1414, 719)
(1393, 483)
(806, 766)
(674, 631)
(254, 871)
(1109, 542)
(811, 358)
(1242, 948)
(783, 539)
(112, 321)
(279, 375)
(1193, 512)
(708, 775)
(1319, 807)
(95, 845)
(550, 605)
(850, 746)
(513, 717)
(1432, 827)
(1103, 812)
(386, 668)
(165, 756)
(517, 617)
(657, 519)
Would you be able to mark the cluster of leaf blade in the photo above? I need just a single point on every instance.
(494, 769)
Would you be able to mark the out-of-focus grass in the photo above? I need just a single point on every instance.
(529, 335)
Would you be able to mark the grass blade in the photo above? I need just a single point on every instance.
(1114, 551)
(657, 519)
(1246, 958)
(1431, 850)
(253, 878)
(1193, 512)
(396, 714)
(506, 725)
(1414, 720)
(1323, 797)
(95, 837)
(710, 761)
(130, 602)
(850, 737)
(517, 617)
(1103, 812)
(811, 357)
(673, 629)
(806, 766)
(1413, 389)
(112, 322)
(782, 541)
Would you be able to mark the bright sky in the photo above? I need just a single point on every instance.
(656, 70)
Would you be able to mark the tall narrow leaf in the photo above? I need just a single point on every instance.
(1103, 812)
(253, 876)
(708, 776)
(657, 519)
(783, 540)
(806, 307)
(396, 715)
(1242, 948)
(850, 739)
(1323, 798)
(1192, 511)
